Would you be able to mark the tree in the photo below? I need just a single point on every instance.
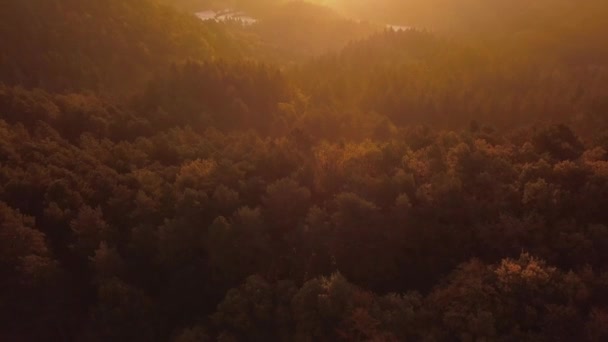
(122, 313)
(32, 295)
(559, 141)
(285, 204)
(90, 230)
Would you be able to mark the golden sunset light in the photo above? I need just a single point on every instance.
(303, 170)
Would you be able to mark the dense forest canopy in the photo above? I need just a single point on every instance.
(313, 176)
(107, 46)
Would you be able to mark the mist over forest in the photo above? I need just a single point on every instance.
(326, 170)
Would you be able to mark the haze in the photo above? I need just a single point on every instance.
(275, 170)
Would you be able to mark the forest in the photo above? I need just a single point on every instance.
(316, 175)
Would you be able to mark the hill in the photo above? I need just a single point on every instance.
(107, 46)
(417, 77)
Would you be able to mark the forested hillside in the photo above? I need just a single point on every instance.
(106, 46)
(306, 178)
(419, 77)
(300, 29)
